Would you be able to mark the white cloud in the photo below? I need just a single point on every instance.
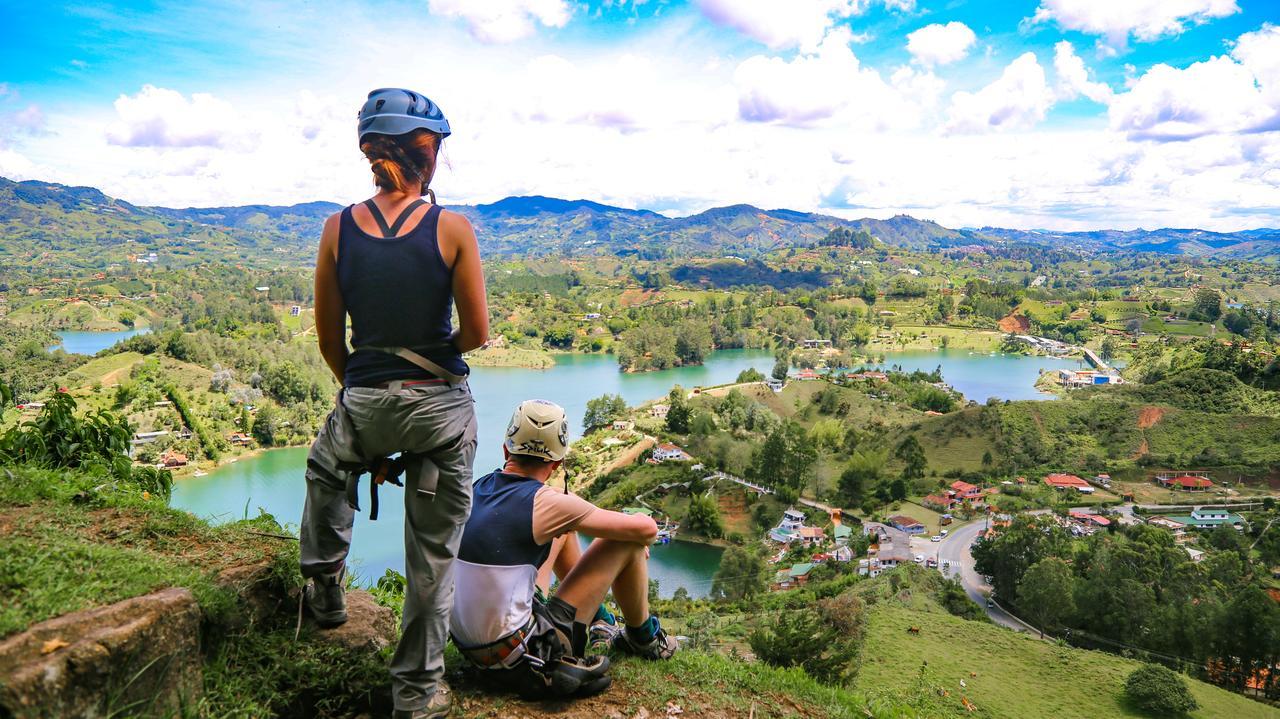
(499, 21)
(939, 44)
(1019, 99)
(830, 84)
(1073, 76)
(802, 23)
(793, 24)
(1145, 20)
(1232, 93)
(158, 117)
(682, 126)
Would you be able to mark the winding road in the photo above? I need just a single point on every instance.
(954, 550)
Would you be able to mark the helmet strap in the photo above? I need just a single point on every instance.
(431, 194)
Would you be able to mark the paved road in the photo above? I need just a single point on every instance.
(954, 549)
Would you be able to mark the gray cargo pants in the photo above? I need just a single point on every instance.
(434, 420)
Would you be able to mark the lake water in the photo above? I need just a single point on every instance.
(91, 343)
(980, 376)
(273, 481)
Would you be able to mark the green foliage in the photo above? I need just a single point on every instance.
(750, 374)
(1159, 691)
(703, 516)
(208, 443)
(785, 458)
(912, 456)
(602, 410)
(803, 639)
(1206, 306)
(780, 369)
(97, 442)
(741, 575)
(864, 471)
(1046, 593)
(266, 426)
(678, 412)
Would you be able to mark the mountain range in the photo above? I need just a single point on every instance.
(40, 217)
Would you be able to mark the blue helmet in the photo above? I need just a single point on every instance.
(394, 111)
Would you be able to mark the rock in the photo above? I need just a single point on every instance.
(261, 594)
(140, 656)
(369, 627)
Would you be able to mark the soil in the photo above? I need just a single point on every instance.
(1017, 324)
(1149, 417)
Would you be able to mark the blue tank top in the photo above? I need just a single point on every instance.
(399, 293)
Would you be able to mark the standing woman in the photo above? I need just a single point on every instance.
(404, 384)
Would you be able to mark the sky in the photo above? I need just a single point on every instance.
(1056, 114)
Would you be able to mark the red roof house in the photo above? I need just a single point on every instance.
(1186, 482)
(1067, 481)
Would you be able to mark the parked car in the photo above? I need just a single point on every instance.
(919, 559)
(943, 532)
(936, 538)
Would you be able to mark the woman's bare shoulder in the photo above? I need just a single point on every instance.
(455, 227)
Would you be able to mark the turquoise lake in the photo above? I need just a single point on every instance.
(91, 343)
(273, 481)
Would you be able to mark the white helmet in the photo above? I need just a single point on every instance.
(538, 429)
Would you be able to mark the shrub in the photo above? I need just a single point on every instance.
(97, 442)
(802, 638)
(1159, 691)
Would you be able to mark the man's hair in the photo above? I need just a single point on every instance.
(528, 461)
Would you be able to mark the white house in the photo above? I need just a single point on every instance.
(788, 530)
(659, 411)
(667, 452)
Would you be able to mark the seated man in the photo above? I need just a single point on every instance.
(519, 526)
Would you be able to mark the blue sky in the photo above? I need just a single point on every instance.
(1031, 113)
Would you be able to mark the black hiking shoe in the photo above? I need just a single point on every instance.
(660, 647)
(326, 598)
(439, 707)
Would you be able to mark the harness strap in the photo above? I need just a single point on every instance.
(414, 358)
(390, 231)
(503, 653)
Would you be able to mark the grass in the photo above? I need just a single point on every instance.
(71, 541)
(1012, 675)
(107, 370)
(700, 684)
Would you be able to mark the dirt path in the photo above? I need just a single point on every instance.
(1149, 416)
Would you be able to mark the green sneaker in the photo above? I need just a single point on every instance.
(440, 705)
(326, 598)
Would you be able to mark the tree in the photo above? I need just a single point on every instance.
(741, 575)
(805, 639)
(1108, 350)
(1046, 593)
(780, 368)
(678, 412)
(785, 458)
(898, 490)
(693, 342)
(1207, 305)
(703, 516)
(602, 410)
(284, 382)
(266, 426)
(6, 397)
(1159, 691)
(863, 471)
(912, 456)
(750, 374)
(1008, 555)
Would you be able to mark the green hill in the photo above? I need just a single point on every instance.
(1007, 674)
